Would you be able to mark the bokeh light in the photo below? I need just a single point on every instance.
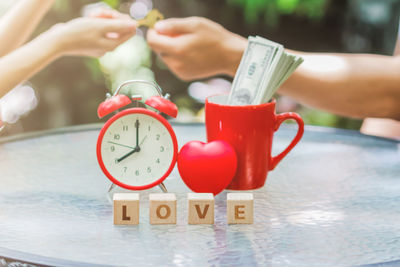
(139, 10)
(16, 103)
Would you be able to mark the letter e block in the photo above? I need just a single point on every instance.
(162, 208)
(200, 208)
(126, 208)
(240, 208)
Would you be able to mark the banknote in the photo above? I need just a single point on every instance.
(254, 64)
(264, 67)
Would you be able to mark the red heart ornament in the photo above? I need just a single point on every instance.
(207, 167)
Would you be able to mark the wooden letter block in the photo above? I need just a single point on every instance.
(240, 208)
(162, 208)
(126, 208)
(200, 208)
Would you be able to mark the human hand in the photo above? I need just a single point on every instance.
(106, 13)
(91, 36)
(196, 47)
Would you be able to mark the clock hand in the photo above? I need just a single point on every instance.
(141, 143)
(121, 145)
(136, 149)
(137, 132)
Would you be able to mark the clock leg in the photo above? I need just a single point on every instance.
(109, 193)
(111, 187)
(163, 188)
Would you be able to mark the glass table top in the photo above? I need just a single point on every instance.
(333, 201)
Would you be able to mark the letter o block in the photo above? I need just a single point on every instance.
(200, 208)
(162, 208)
(126, 208)
(240, 208)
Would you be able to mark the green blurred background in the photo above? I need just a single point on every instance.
(70, 89)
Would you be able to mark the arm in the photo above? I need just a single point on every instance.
(18, 24)
(358, 85)
(15, 68)
(81, 37)
(355, 85)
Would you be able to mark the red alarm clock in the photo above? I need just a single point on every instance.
(137, 147)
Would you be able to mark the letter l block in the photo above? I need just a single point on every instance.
(126, 208)
(240, 208)
(162, 208)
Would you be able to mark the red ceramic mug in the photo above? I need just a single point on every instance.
(250, 130)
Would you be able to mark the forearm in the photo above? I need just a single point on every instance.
(355, 85)
(20, 21)
(351, 85)
(24, 62)
(397, 48)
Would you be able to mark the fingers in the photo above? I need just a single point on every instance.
(110, 44)
(108, 14)
(176, 26)
(124, 37)
(102, 13)
(117, 25)
(177, 67)
(161, 43)
(115, 32)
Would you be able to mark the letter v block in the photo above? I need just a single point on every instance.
(162, 208)
(240, 208)
(200, 208)
(126, 208)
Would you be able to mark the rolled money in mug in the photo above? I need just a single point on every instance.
(250, 130)
(264, 66)
(252, 69)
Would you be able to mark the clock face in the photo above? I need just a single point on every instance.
(137, 148)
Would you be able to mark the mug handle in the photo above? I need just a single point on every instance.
(279, 118)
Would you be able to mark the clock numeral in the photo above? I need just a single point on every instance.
(116, 136)
(158, 161)
(125, 128)
(137, 172)
(112, 148)
(148, 169)
(116, 160)
(157, 137)
(125, 168)
(149, 128)
(162, 149)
